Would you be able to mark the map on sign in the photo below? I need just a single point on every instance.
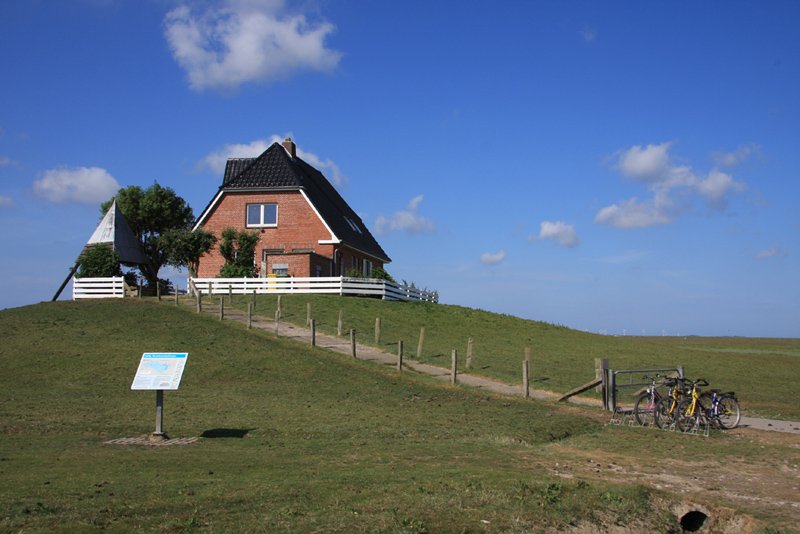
(160, 370)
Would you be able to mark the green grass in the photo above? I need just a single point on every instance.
(327, 443)
(761, 371)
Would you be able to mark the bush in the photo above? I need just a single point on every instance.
(381, 274)
(99, 261)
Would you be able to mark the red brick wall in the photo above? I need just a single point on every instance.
(298, 228)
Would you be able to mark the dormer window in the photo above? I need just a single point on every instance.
(262, 215)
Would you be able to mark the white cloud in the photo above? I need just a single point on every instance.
(732, 159)
(588, 34)
(244, 41)
(216, 160)
(86, 185)
(559, 231)
(633, 214)
(771, 252)
(408, 220)
(647, 164)
(715, 187)
(6, 201)
(665, 180)
(487, 258)
(5, 161)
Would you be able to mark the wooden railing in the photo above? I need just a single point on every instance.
(99, 288)
(337, 285)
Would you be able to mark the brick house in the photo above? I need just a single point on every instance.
(306, 228)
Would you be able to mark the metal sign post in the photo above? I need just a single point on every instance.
(160, 371)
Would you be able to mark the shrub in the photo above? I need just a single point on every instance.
(99, 261)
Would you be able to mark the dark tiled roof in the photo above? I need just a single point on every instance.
(275, 169)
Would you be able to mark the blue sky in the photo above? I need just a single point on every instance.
(613, 167)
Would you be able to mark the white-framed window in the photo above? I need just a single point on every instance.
(262, 215)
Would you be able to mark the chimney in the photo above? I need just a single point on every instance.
(290, 147)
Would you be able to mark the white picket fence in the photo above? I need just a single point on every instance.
(336, 285)
(99, 288)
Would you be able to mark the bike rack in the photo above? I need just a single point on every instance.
(614, 383)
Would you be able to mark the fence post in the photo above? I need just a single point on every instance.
(400, 355)
(468, 365)
(308, 313)
(313, 333)
(279, 305)
(377, 330)
(230, 293)
(454, 367)
(221, 307)
(680, 372)
(140, 290)
(353, 342)
(339, 323)
(526, 386)
(249, 315)
(199, 298)
(277, 319)
(254, 298)
(176, 295)
(600, 365)
(158, 290)
(421, 342)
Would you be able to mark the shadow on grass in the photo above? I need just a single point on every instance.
(226, 432)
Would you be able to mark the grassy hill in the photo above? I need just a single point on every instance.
(300, 439)
(761, 371)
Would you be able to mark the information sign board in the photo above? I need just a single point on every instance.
(160, 370)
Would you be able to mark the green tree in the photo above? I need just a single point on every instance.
(98, 261)
(239, 249)
(185, 247)
(150, 213)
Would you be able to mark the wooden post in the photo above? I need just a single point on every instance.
(254, 299)
(176, 295)
(277, 320)
(526, 386)
(249, 315)
(158, 291)
(221, 307)
(454, 367)
(377, 330)
(340, 323)
(230, 293)
(353, 342)
(468, 365)
(279, 305)
(529, 359)
(600, 366)
(308, 313)
(400, 355)
(140, 290)
(313, 333)
(421, 342)
(199, 298)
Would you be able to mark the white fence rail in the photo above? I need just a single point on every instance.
(337, 285)
(99, 288)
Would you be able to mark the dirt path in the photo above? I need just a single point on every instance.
(364, 352)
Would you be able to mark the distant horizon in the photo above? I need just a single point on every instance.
(609, 168)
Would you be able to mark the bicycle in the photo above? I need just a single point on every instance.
(691, 413)
(644, 407)
(721, 409)
(667, 408)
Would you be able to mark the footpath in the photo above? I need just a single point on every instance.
(368, 353)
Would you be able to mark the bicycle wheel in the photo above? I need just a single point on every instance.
(685, 420)
(661, 413)
(729, 413)
(643, 410)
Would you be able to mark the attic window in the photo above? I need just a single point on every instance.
(352, 224)
(262, 215)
